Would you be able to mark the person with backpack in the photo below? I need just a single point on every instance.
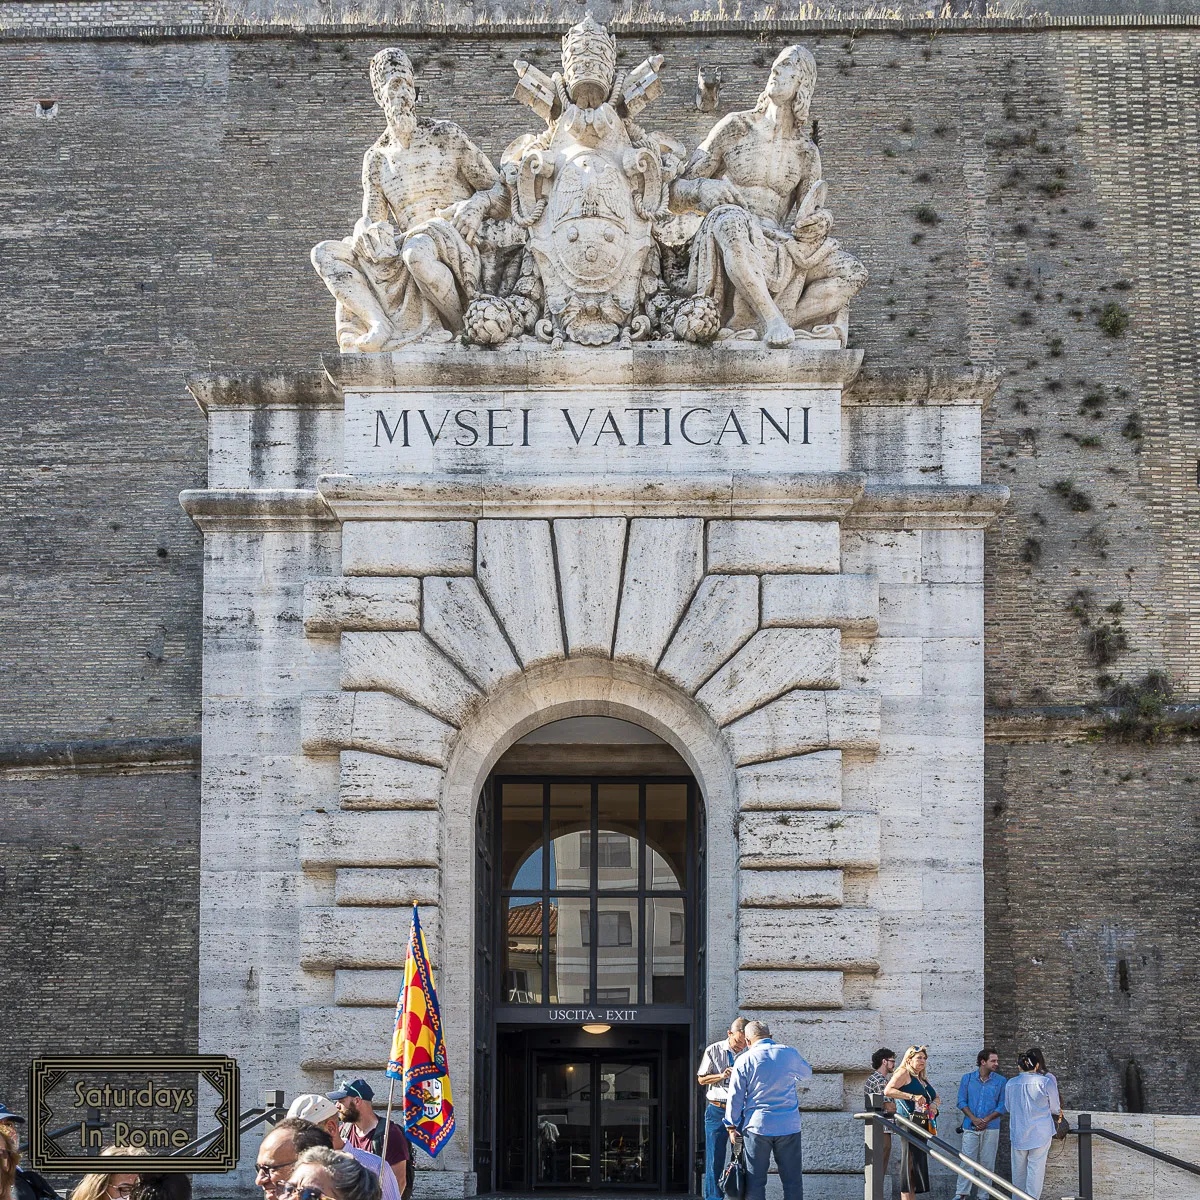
(362, 1129)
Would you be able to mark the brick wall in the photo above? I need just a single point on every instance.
(1002, 185)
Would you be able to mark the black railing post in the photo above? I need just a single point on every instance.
(874, 1166)
(1083, 1124)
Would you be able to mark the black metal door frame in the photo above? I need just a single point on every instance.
(595, 1059)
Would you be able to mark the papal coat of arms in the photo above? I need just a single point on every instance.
(588, 190)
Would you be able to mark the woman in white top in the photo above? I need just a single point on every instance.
(1031, 1100)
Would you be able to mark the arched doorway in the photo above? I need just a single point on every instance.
(590, 852)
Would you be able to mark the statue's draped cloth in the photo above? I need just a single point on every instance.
(786, 262)
(412, 314)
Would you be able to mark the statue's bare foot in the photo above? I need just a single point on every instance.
(376, 337)
(778, 333)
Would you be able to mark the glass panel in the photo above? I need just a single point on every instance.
(627, 1124)
(666, 836)
(665, 940)
(564, 1124)
(617, 949)
(570, 835)
(521, 836)
(617, 839)
(570, 939)
(522, 951)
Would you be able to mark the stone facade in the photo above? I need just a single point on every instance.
(103, 438)
(810, 643)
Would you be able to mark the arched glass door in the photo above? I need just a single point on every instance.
(594, 887)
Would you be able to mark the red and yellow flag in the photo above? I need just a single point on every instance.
(418, 1057)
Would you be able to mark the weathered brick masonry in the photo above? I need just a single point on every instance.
(1003, 185)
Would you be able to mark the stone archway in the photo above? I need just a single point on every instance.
(585, 687)
(723, 637)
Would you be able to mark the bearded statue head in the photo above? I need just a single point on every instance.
(395, 88)
(589, 56)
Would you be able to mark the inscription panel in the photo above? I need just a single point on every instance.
(602, 431)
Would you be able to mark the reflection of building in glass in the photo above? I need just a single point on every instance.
(523, 966)
(615, 934)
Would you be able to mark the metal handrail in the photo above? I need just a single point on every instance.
(917, 1136)
(1170, 1159)
(256, 1116)
(1085, 1130)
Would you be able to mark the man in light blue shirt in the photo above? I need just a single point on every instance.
(981, 1099)
(763, 1112)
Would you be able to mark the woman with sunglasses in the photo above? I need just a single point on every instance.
(915, 1099)
(118, 1186)
(322, 1174)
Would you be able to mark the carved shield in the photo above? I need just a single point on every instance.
(590, 217)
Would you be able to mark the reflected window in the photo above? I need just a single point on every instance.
(522, 962)
(594, 890)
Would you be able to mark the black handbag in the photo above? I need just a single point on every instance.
(733, 1178)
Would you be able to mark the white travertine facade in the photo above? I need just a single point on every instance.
(806, 633)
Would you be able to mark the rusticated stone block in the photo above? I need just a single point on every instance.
(376, 781)
(360, 937)
(589, 566)
(790, 990)
(790, 889)
(663, 566)
(457, 619)
(331, 605)
(386, 886)
(340, 1036)
(772, 662)
(806, 720)
(373, 721)
(804, 781)
(370, 839)
(809, 839)
(408, 548)
(410, 666)
(718, 622)
(844, 939)
(846, 602)
(773, 547)
(516, 570)
(831, 1040)
(369, 989)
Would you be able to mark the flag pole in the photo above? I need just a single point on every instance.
(387, 1120)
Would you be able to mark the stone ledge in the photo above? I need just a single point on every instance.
(254, 510)
(428, 367)
(1075, 722)
(932, 386)
(282, 388)
(439, 497)
(427, 30)
(914, 506)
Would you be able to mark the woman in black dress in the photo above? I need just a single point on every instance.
(915, 1099)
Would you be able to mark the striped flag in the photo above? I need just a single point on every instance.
(418, 1057)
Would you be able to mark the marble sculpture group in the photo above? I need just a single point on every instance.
(595, 230)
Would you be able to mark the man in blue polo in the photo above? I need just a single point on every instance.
(981, 1099)
(763, 1112)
